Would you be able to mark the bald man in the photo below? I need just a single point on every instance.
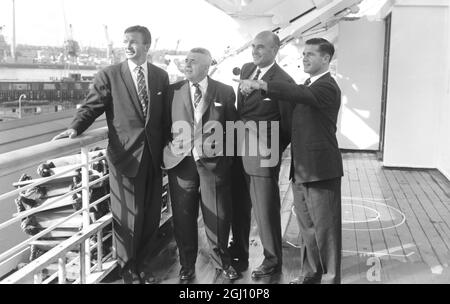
(198, 169)
(255, 184)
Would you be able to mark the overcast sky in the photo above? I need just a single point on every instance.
(195, 22)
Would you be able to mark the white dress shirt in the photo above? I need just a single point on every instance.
(263, 71)
(203, 86)
(134, 74)
(314, 78)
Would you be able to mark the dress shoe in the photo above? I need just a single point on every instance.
(230, 273)
(265, 271)
(187, 274)
(240, 265)
(306, 280)
(147, 278)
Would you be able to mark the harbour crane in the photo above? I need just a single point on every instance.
(71, 46)
(109, 46)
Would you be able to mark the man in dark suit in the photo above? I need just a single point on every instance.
(317, 162)
(131, 94)
(198, 168)
(255, 183)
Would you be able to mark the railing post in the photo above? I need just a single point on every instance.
(82, 263)
(113, 249)
(62, 270)
(99, 250)
(38, 277)
(85, 203)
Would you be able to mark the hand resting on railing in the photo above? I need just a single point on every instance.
(71, 133)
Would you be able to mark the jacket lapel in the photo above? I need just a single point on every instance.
(129, 83)
(153, 88)
(210, 93)
(270, 73)
(185, 95)
(323, 77)
(245, 75)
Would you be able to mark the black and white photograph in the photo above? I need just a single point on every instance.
(221, 148)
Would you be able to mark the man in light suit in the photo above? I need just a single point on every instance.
(256, 184)
(317, 162)
(198, 168)
(131, 94)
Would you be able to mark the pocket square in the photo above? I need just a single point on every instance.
(159, 93)
(267, 99)
(217, 104)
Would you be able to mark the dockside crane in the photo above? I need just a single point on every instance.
(71, 46)
(109, 46)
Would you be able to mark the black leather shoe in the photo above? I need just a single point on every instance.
(147, 278)
(306, 280)
(265, 271)
(239, 264)
(187, 274)
(230, 273)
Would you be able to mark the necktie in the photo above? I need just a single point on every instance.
(258, 72)
(197, 95)
(142, 90)
(307, 82)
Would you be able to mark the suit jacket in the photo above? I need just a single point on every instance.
(256, 107)
(218, 107)
(314, 147)
(114, 93)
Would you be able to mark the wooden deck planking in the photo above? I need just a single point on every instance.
(363, 239)
(439, 217)
(439, 198)
(440, 201)
(409, 205)
(349, 238)
(383, 238)
(442, 182)
(367, 190)
(402, 232)
(423, 197)
(427, 216)
(401, 204)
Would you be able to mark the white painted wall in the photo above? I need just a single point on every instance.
(417, 89)
(360, 74)
(443, 162)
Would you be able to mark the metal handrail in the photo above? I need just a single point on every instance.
(24, 158)
(14, 161)
(44, 260)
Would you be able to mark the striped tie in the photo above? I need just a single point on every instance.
(258, 72)
(197, 95)
(142, 90)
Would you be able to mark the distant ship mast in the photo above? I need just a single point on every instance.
(13, 45)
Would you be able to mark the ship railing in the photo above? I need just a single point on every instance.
(91, 236)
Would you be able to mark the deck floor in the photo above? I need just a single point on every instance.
(395, 229)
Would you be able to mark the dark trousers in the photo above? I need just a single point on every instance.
(136, 208)
(263, 194)
(317, 207)
(185, 181)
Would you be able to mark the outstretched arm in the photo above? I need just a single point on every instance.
(321, 95)
(97, 100)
